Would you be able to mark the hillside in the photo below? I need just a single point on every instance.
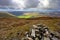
(32, 15)
(11, 28)
(38, 14)
(6, 15)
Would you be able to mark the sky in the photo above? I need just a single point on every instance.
(5, 2)
(30, 4)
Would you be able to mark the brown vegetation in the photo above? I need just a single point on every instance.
(14, 27)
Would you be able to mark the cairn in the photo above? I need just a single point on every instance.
(39, 32)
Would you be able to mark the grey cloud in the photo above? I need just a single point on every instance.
(55, 4)
(5, 2)
(31, 3)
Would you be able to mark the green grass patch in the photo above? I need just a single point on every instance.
(24, 16)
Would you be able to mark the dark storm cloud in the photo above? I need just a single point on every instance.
(31, 3)
(5, 2)
(55, 4)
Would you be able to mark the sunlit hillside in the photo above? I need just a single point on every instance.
(32, 15)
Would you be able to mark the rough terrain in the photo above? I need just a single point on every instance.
(14, 28)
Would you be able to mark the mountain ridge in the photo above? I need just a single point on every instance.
(6, 15)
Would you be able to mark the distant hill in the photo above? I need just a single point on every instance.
(32, 15)
(17, 13)
(38, 14)
(54, 14)
(6, 15)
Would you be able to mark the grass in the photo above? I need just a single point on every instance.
(25, 16)
(18, 28)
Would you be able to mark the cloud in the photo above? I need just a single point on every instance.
(42, 4)
(31, 3)
(5, 2)
(55, 4)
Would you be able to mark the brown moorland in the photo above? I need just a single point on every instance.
(11, 28)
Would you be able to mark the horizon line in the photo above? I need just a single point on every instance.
(29, 10)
